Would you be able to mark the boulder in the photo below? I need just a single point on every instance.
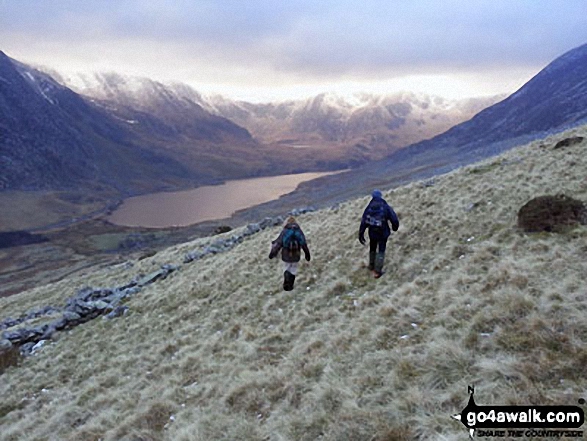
(15, 337)
(551, 213)
(9, 322)
(100, 305)
(251, 229)
(26, 349)
(267, 222)
(5, 344)
(567, 142)
(118, 311)
(298, 211)
(150, 278)
(38, 346)
(71, 317)
(222, 229)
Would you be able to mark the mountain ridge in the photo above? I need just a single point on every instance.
(553, 100)
(363, 126)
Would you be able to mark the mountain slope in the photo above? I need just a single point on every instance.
(370, 125)
(217, 351)
(174, 111)
(54, 139)
(554, 98)
(551, 101)
(145, 140)
(358, 128)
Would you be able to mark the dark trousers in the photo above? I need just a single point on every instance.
(377, 243)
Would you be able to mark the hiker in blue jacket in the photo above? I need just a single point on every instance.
(290, 241)
(376, 217)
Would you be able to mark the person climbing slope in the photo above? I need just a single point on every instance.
(290, 241)
(376, 217)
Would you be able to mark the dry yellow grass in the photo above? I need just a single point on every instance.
(217, 351)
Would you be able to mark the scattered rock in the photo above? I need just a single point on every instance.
(302, 210)
(226, 244)
(472, 206)
(193, 255)
(38, 346)
(101, 305)
(90, 302)
(117, 312)
(567, 142)
(267, 222)
(252, 229)
(8, 323)
(5, 344)
(156, 275)
(26, 349)
(71, 317)
(222, 229)
(551, 213)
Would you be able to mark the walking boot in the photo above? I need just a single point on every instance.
(372, 260)
(378, 270)
(288, 281)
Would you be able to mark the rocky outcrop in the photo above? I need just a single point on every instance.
(225, 244)
(89, 303)
(567, 142)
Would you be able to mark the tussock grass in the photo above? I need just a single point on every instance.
(217, 351)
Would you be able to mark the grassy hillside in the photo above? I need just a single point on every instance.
(217, 351)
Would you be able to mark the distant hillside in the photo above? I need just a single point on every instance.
(367, 126)
(53, 138)
(351, 130)
(555, 99)
(217, 351)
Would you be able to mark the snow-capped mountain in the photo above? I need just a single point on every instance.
(367, 122)
(554, 100)
(52, 138)
(360, 127)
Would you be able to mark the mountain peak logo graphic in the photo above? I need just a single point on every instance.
(470, 405)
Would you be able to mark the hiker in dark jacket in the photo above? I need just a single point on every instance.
(376, 217)
(290, 241)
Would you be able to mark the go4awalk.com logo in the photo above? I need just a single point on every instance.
(522, 421)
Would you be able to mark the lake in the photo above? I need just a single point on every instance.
(182, 208)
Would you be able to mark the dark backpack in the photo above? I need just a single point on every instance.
(292, 239)
(375, 215)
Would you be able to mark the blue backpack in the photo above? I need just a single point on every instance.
(375, 216)
(292, 239)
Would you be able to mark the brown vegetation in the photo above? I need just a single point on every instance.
(551, 213)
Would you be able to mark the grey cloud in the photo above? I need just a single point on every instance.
(319, 38)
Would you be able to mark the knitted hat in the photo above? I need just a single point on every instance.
(376, 194)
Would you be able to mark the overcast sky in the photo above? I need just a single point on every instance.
(272, 49)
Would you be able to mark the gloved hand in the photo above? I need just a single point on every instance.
(307, 255)
(274, 249)
(362, 239)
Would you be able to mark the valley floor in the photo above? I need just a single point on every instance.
(217, 351)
